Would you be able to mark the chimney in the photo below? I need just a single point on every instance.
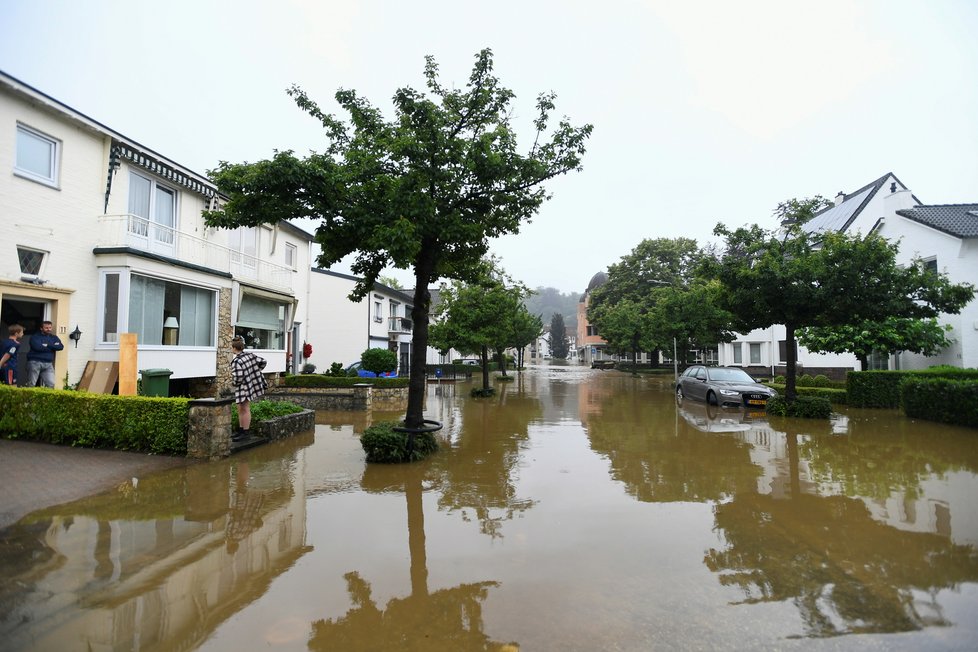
(898, 199)
(841, 197)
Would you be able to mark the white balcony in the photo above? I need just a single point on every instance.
(399, 325)
(143, 234)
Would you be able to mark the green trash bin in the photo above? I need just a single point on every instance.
(156, 382)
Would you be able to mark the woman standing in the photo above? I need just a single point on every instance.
(249, 385)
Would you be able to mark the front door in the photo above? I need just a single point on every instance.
(29, 313)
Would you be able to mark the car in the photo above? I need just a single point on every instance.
(722, 386)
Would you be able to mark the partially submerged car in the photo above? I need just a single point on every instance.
(722, 386)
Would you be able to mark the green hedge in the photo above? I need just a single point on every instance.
(319, 380)
(881, 389)
(805, 407)
(941, 399)
(384, 445)
(264, 410)
(136, 423)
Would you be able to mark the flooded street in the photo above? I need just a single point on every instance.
(575, 510)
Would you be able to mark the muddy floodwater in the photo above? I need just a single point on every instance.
(578, 509)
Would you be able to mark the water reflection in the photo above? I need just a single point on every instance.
(574, 510)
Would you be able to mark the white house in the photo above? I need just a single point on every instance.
(340, 330)
(104, 236)
(945, 237)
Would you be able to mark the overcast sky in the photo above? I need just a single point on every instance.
(702, 111)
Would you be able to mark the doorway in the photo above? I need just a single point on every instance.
(29, 313)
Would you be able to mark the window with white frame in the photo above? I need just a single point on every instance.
(755, 353)
(261, 322)
(378, 312)
(31, 260)
(738, 353)
(154, 207)
(244, 241)
(37, 156)
(158, 311)
(291, 255)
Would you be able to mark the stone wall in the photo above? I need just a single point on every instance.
(357, 398)
(209, 427)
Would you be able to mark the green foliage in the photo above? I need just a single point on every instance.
(887, 336)
(799, 211)
(805, 380)
(136, 423)
(425, 190)
(559, 343)
(265, 409)
(308, 368)
(881, 389)
(778, 380)
(384, 445)
(821, 380)
(378, 360)
(341, 381)
(830, 279)
(545, 301)
(940, 399)
(805, 407)
(834, 395)
(481, 392)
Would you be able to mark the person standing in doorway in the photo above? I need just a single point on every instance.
(249, 385)
(8, 360)
(40, 356)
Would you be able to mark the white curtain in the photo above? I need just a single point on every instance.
(146, 308)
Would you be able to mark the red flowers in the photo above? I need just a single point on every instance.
(306, 350)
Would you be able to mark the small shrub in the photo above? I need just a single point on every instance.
(379, 361)
(821, 380)
(384, 445)
(779, 380)
(335, 370)
(264, 410)
(308, 368)
(805, 407)
(804, 380)
(479, 392)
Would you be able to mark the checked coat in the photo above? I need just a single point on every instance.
(249, 383)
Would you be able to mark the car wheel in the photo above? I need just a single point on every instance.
(711, 398)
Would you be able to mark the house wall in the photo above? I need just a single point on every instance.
(959, 260)
(337, 327)
(768, 340)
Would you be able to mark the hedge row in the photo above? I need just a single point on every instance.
(319, 380)
(881, 389)
(941, 399)
(135, 423)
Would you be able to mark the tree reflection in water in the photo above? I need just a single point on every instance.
(845, 571)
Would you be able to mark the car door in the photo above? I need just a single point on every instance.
(696, 387)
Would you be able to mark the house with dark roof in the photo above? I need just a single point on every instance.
(945, 237)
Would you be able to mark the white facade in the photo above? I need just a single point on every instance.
(108, 236)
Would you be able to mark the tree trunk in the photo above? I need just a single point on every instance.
(485, 367)
(863, 362)
(790, 364)
(419, 345)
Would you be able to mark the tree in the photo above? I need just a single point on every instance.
(891, 335)
(527, 328)
(478, 318)
(559, 344)
(800, 279)
(390, 282)
(424, 190)
(689, 317)
(621, 306)
(795, 212)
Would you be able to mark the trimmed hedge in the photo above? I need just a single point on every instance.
(805, 407)
(319, 380)
(941, 399)
(135, 423)
(881, 389)
(384, 445)
(264, 410)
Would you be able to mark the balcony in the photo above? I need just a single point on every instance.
(396, 325)
(145, 235)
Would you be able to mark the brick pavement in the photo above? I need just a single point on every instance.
(34, 475)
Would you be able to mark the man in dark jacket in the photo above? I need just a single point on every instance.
(40, 357)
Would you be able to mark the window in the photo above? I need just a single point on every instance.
(393, 308)
(30, 260)
(37, 156)
(154, 206)
(378, 312)
(755, 353)
(783, 350)
(931, 265)
(244, 241)
(261, 322)
(110, 309)
(738, 353)
(154, 301)
(291, 253)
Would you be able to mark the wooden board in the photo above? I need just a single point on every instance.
(99, 377)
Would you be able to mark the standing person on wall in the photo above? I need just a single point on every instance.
(8, 359)
(249, 385)
(40, 357)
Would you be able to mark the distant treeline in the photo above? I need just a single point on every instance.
(547, 301)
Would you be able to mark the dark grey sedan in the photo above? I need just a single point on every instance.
(722, 386)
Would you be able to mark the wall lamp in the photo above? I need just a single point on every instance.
(75, 335)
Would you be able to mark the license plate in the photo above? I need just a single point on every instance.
(755, 401)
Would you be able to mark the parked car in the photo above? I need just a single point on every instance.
(356, 369)
(722, 386)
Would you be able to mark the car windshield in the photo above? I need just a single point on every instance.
(730, 375)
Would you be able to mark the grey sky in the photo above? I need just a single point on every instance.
(703, 112)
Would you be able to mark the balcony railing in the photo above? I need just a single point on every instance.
(399, 325)
(143, 234)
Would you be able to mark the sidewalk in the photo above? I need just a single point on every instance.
(34, 476)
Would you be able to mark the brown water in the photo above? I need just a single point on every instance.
(576, 510)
